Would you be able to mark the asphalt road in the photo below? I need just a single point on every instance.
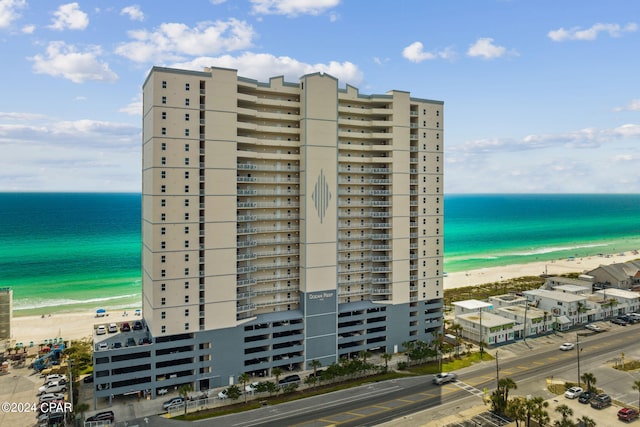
(528, 364)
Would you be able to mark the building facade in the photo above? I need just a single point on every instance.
(282, 223)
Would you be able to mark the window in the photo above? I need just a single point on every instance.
(163, 174)
(186, 161)
(186, 188)
(164, 99)
(164, 84)
(186, 273)
(163, 273)
(163, 259)
(437, 113)
(163, 160)
(163, 188)
(186, 202)
(186, 102)
(163, 146)
(163, 131)
(186, 298)
(163, 202)
(186, 216)
(186, 285)
(186, 117)
(163, 314)
(186, 175)
(164, 115)
(163, 301)
(186, 326)
(163, 287)
(186, 86)
(186, 230)
(186, 312)
(186, 243)
(163, 231)
(186, 147)
(163, 329)
(163, 245)
(186, 132)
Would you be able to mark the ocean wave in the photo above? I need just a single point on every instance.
(31, 304)
(552, 249)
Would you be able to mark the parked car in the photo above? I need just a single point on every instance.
(101, 330)
(573, 392)
(627, 318)
(586, 397)
(102, 416)
(103, 346)
(173, 402)
(52, 387)
(125, 327)
(619, 321)
(601, 401)
(48, 397)
(444, 377)
(88, 379)
(113, 328)
(289, 379)
(223, 394)
(162, 392)
(627, 414)
(137, 325)
(54, 377)
(567, 346)
(593, 327)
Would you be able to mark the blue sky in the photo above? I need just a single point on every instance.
(540, 96)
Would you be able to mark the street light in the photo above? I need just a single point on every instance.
(497, 372)
(578, 350)
(481, 343)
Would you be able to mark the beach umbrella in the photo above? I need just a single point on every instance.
(101, 311)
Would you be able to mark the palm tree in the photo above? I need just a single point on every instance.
(565, 412)
(517, 410)
(387, 358)
(585, 421)
(589, 379)
(536, 410)
(364, 354)
(636, 386)
(315, 364)
(244, 379)
(276, 372)
(184, 391)
(506, 384)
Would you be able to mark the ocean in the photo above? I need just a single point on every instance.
(81, 251)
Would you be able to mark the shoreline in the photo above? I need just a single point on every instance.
(77, 325)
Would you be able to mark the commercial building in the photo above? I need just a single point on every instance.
(6, 313)
(282, 223)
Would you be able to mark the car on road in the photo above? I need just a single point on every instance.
(567, 346)
(586, 397)
(619, 321)
(88, 379)
(593, 327)
(627, 414)
(573, 392)
(173, 402)
(444, 377)
(102, 416)
(601, 401)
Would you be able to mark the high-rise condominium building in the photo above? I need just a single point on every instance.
(282, 223)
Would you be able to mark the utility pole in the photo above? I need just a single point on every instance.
(481, 343)
(578, 350)
(524, 330)
(497, 372)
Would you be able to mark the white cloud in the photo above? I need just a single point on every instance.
(69, 16)
(9, 11)
(217, 2)
(576, 33)
(634, 105)
(173, 41)
(134, 108)
(262, 66)
(292, 7)
(415, 53)
(624, 158)
(28, 29)
(484, 47)
(63, 60)
(133, 12)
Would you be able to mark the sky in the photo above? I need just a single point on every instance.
(539, 96)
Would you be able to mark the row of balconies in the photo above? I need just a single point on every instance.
(268, 179)
(267, 205)
(374, 181)
(344, 202)
(270, 167)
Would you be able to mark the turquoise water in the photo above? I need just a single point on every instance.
(78, 251)
(69, 251)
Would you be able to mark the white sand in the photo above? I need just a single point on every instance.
(68, 326)
(79, 325)
(556, 267)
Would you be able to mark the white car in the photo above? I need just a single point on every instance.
(567, 346)
(101, 330)
(444, 377)
(573, 392)
(54, 377)
(47, 397)
(593, 327)
(113, 328)
(222, 394)
(53, 387)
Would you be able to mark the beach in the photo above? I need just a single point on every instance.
(77, 325)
